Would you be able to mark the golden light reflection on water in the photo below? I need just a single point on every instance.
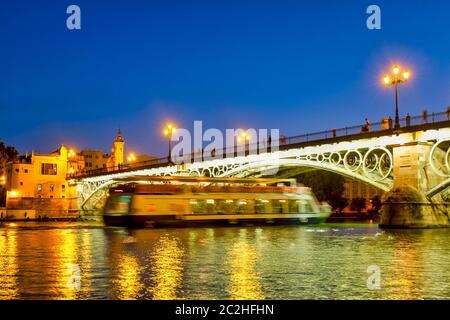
(8, 265)
(407, 258)
(167, 268)
(68, 271)
(85, 255)
(128, 283)
(245, 282)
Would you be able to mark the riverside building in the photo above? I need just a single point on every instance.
(37, 184)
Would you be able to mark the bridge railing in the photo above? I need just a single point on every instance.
(267, 146)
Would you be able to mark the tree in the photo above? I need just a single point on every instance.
(376, 204)
(11, 153)
(358, 204)
(342, 203)
(327, 186)
(7, 153)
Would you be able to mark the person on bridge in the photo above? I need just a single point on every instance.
(366, 127)
(408, 120)
(425, 116)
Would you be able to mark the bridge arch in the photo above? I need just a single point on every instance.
(268, 168)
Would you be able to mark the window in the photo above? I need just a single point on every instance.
(49, 169)
(277, 206)
(294, 206)
(210, 206)
(260, 205)
(17, 170)
(305, 206)
(242, 206)
(119, 204)
(198, 206)
(52, 187)
(63, 187)
(39, 187)
(21, 183)
(26, 170)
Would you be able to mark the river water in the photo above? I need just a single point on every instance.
(328, 261)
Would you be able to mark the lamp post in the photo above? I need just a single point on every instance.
(168, 131)
(131, 157)
(244, 137)
(395, 80)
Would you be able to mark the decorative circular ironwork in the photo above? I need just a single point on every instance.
(353, 160)
(378, 159)
(320, 157)
(335, 158)
(440, 167)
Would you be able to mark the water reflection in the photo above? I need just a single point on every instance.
(128, 284)
(68, 271)
(406, 259)
(8, 264)
(244, 278)
(167, 262)
(47, 261)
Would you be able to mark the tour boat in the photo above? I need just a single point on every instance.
(169, 201)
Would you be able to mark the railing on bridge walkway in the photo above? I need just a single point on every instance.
(283, 143)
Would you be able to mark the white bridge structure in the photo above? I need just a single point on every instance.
(417, 156)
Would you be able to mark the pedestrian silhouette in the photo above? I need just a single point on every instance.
(425, 116)
(408, 120)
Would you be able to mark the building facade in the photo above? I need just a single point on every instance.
(359, 190)
(37, 184)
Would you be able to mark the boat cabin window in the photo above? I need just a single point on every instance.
(294, 206)
(198, 206)
(306, 206)
(277, 206)
(225, 206)
(118, 203)
(261, 205)
(242, 206)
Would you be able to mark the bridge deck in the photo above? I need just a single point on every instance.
(418, 123)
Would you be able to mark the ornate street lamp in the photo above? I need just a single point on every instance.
(168, 131)
(244, 137)
(395, 80)
(131, 157)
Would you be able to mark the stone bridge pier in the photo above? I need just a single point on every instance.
(409, 204)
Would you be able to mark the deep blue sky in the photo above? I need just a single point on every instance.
(299, 66)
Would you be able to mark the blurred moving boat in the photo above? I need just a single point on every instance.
(194, 201)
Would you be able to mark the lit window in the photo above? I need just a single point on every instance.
(52, 187)
(39, 187)
(49, 169)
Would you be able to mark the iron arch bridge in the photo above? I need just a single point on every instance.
(371, 158)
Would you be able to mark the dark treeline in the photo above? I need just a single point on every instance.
(7, 153)
(330, 187)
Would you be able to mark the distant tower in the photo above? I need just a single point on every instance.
(118, 152)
